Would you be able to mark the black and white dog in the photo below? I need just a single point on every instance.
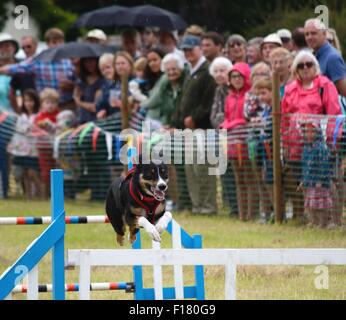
(139, 201)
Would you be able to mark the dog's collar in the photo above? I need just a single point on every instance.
(142, 200)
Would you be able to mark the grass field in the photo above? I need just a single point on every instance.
(263, 282)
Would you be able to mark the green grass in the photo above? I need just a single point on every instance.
(260, 282)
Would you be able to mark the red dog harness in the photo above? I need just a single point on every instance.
(149, 204)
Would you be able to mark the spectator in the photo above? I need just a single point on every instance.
(46, 120)
(310, 93)
(68, 161)
(259, 71)
(166, 96)
(258, 111)
(8, 48)
(149, 39)
(106, 66)
(161, 106)
(316, 180)
(286, 39)
(333, 39)
(236, 45)
(130, 42)
(88, 89)
(153, 73)
(21, 82)
(109, 102)
(279, 61)
(96, 36)
(253, 51)
(23, 146)
(270, 43)
(331, 62)
(219, 70)
(194, 113)
(168, 41)
(237, 150)
(194, 30)
(29, 45)
(55, 74)
(298, 40)
(138, 86)
(212, 44)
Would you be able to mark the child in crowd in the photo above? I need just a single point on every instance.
(237, 148)
(46, 121)
(316, 180)
(66, 160)
(137, 85)
(23, 146)
(106, 66)
(258, 112)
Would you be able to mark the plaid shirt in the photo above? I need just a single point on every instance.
(47, 74)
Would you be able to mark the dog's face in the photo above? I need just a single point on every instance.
(153, 180)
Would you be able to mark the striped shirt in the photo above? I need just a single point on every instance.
(47, 74)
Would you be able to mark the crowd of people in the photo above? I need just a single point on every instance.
(194, 81)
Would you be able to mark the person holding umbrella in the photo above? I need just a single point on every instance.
(130, 42)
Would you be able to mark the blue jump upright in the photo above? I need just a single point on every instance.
(51, 238)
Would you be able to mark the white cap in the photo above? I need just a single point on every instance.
(97, 34)
(284, 34)
(272, 38)
(4, 37)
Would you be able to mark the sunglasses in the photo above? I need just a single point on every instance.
(238, 44)
(236, 76)
(26, 47)
(302, 66)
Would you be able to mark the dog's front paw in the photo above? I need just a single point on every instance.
(149, 228)
(153, 233)
(163, 222)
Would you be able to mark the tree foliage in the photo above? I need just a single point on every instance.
(248, 17)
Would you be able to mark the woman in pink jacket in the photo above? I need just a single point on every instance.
(311, 94)
(237, 148)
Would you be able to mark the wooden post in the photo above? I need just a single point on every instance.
(124, 101)
(278, 201)
(125, 107)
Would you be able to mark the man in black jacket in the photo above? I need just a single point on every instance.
(194, 113)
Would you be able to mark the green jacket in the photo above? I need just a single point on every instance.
(197, 99)
(164, 99)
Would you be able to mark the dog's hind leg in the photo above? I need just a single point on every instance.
(132, 234)
(115, 217)
(163, 222)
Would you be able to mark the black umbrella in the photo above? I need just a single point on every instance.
(104, 17)
(74, 50)
(138, 16)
